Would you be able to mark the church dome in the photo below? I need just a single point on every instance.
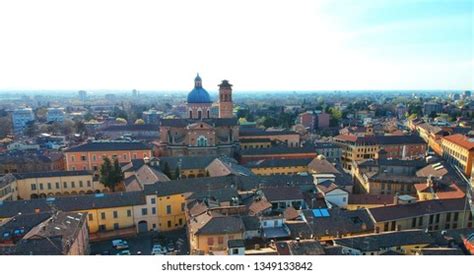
(198, 94)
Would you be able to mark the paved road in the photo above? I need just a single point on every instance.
(143, 242)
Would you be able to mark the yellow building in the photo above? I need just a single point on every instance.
(250, 143)
(56, 183)
(358, 201)
(401, 242)
(8, 188)
(281, 166)
(459, 151)
(105, 212)
(356, 148)
(430, 214)
(210, 232)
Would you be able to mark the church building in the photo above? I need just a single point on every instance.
(199, 133)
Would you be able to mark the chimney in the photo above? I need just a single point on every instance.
(395, 199)
(37, 210)
(429, 181)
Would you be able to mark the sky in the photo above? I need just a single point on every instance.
(256, 45)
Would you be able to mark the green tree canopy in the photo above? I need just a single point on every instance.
(110, 175)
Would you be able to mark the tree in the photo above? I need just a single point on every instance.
(177, 173)
(67, 128)
(117, 174)
(31, 129)
(6, 128)
(80, 127)
(121, 120)
(110, 174)
(166, 170)
(139, 121)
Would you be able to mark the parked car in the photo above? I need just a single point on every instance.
(120, 244)
(158, 250)
(124, 252)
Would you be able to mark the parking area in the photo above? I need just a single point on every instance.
(142, 243)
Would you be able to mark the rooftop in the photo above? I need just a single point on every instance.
(403, 211)
(461, 140)
(385, 240)
(108, 145)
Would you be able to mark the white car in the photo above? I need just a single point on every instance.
(158, 250)
(120, 244)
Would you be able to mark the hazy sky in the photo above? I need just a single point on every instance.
(257, 45)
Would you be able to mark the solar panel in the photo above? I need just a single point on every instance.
(324, 212)
(317, 213)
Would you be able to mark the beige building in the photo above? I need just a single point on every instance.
(8, 188)
(56, 183)
(431, 215)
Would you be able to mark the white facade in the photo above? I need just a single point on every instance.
(20, 117)
(337, 197)
(55, 115)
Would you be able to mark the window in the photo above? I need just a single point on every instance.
(65, 184)
(129, 213)
(420, 221)
(88, 183)
(210, 240)
(102, 215)
(201, 141)
(431, 219)
(437, 218)
(153, 210)
(81, 184)
(180, 221)
(394, 224)
(169, 223)
(168, 209)
(83, 158)
(90, 217)
(115, 214)
(33, 186)
(49, 185)
(220, 240)
(57, 185)
(134, 156)
(448, 217)
(73, 158)
(456, 216)
(73, 184)
(144, 211)
(413, 223)
(102, 227)
(153, 201)
(94, 158)
(41, 186)
(116, 226)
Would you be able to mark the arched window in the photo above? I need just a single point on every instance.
(201, 141)
(199, 114)
(190, 114)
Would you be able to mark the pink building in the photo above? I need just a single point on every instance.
(323, 120)
(307, 119)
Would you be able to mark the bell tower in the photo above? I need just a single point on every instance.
(225, 100)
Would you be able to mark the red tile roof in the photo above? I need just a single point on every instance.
(460, 140)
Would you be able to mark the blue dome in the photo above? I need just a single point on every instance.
(199, 95)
